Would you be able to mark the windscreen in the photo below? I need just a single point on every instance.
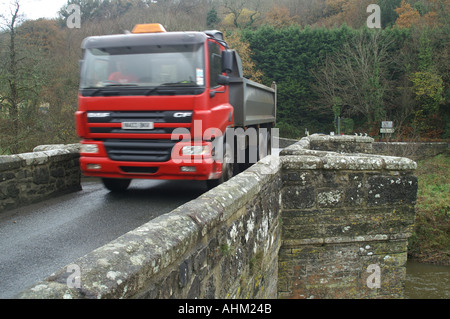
(129, 68)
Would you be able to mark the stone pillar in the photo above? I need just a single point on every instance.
(341, 143)
(346, 219)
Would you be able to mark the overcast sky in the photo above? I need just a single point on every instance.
(33, 9)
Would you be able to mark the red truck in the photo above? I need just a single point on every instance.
(169, 105)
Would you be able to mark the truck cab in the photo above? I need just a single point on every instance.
(156, 105)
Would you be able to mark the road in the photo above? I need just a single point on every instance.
(39, 239)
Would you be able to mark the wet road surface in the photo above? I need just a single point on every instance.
(39, 239)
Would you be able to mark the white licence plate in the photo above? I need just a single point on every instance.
(137, 125)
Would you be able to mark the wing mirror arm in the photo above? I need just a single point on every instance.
(227, 68)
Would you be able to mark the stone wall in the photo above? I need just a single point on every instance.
(31, 177)
(346, 219)
(222, 245)
(414, 151)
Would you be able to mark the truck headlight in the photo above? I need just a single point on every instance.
(196, 150)
(93, 166)
(89, 148)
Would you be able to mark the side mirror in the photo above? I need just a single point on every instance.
(227, 61)
(223, 79)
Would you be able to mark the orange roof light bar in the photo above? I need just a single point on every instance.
(148, 28)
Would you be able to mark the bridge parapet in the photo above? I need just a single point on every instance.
(32, 177)
(307, 224)
(222, 245)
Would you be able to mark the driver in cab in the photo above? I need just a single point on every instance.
(122, 74)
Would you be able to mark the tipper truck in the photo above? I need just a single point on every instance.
(169, 105)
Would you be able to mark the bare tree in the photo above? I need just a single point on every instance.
(10, 75)
(22, 74)
(244, 13)
(307, 11)
(356, 75)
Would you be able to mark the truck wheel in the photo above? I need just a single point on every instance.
(228, 167)
(116, 184)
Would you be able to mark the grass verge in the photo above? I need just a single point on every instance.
(430, 241)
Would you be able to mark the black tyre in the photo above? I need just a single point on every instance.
(228, 168)
(116, 184)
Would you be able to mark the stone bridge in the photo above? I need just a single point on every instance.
(325, 219)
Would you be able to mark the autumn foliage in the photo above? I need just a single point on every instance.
(409, 16)
(323, 57)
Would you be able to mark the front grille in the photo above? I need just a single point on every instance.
(139, 150)
(112, 130)
(165, 122)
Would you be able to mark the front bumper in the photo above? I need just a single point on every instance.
(194, 167)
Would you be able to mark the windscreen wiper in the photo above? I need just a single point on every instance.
(180, 83)
(171, 84)
(110, 83)
(92, 91)
(106, 86)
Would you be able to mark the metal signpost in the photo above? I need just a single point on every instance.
(387, 127)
